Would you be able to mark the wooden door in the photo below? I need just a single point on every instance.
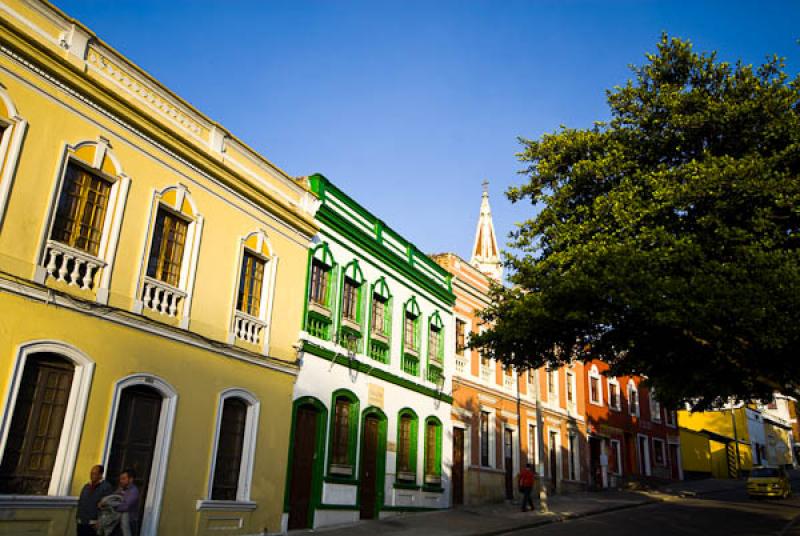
(458, 466)
(508, 460)
(303, 457)
(135, 435)
(644, 456)
(674, 461)
(369, 468)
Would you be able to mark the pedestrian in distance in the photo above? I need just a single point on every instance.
(92, 493)
(129, 505)
(526, 480)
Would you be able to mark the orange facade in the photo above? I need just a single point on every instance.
(495, 410)
(631, 436)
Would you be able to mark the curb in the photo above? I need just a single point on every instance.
(561, 518)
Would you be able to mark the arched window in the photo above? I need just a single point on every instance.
(433, 452)
(85, 219)
(255, 289)
(614, 397)
(12, 131)
(380, 331)
(655, 406)
(343, 434)
(172, 255)
(41, 424)
(237, 423)
(407, 425)
(321, 274)
(595, 386)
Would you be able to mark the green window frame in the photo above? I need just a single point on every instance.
(435, 353)
(411, 348)
(320, 295)
(342, 461)
(407, 441)
(380, 337)
(433, 454)
(352, 291)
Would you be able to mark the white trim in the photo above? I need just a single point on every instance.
(619, 456)
(144, 324)
(10, 146)
(655, 416)
(553, 431)
(31, 502)
(64, 466)
(574, 455)
(594, 374)
(612, 380)
(648, 469)
(166, 421)
(552, 398)
(632, 391)
(226, 506)
(515, 466)
(467, 462)
(115, 207)
(248, 446)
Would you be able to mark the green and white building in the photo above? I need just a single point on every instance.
(372, 400)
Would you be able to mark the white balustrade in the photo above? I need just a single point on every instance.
(461, 365)
(486, 373)
(161, 297)
(71, 266)
(248, 328)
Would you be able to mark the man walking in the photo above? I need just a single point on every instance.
(129, 506)
(526, 486)
(91, 494)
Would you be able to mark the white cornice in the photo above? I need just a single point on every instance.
(117, 316)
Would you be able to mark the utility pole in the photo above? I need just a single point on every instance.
(540, 445)
(736, 442)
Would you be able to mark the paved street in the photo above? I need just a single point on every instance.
(727, 513)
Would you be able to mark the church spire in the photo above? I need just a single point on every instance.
(485, 255)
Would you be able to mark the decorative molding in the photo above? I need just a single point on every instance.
(31, 502)
(49, 296)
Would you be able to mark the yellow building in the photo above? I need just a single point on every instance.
(712, 440)
(151, 274)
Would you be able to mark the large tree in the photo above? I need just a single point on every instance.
(666, 240)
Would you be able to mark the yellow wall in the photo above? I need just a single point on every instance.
(160, 141)
(719, 422)
(695, 453)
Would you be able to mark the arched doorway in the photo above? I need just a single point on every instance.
(138, 438)
(306, 453)
(372, 462)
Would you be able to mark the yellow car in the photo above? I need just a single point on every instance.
(768, 482)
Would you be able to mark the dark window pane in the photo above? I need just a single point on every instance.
(229, 450)
(341, 432)
(250, 284)
(36, 426)
(166, 250)
(81, 210)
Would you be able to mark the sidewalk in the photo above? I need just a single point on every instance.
(492, 519)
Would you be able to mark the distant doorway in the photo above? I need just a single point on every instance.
(305, 448)
(554, 455)
(508, 459)
(458, 466)
(372, 463)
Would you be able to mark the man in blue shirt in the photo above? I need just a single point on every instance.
(91, 494)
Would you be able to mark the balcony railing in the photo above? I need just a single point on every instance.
(162, 298)
(248, 328)
(486, 373)
(72, 266)
(461, 365)
(410, 364)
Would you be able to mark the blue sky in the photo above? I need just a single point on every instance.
(409, 105)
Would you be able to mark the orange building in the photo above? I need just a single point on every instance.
(631, 435)
(494, 412)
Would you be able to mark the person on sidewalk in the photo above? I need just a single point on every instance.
(91, 495)
(525, 481)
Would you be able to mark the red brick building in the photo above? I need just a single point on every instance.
(631, 436)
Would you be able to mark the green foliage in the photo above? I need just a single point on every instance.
(667, 240)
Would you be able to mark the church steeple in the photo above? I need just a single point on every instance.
(485, 255)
